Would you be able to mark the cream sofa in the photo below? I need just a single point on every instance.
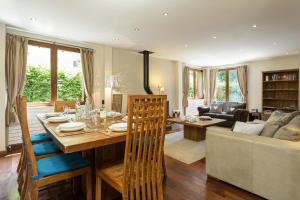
(265, 166)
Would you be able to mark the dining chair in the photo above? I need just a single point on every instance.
(140, 176)
(45, 171)
(117, 102)
(59, 105)
(42, 147)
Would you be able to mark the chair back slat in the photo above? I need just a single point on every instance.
(59, 105)
(144, 147)
(21, 108)
(117, 102)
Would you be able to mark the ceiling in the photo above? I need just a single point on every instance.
(199, 32)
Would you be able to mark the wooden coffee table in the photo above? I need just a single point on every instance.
(195, 131)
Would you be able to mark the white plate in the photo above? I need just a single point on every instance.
(111, 113)
(71, 126)
(52, 114)
(72, 111)
(58, 119)
(119, 127)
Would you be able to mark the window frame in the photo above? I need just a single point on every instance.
(226, 80)
(53, 68)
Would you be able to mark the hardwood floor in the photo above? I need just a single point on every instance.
(183, 182)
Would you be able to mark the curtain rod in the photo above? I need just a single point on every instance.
(49, 41)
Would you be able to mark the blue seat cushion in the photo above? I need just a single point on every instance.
(40, 137)
(59, 164)
(45, 148)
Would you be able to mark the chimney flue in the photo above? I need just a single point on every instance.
(146, 71)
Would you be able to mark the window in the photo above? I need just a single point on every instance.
(195, 84)
(227, 86)
(69, 76)
(38, 74)
(191, 93)
(53, 73)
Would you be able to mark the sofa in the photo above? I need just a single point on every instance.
(266, 166)
(230, 111)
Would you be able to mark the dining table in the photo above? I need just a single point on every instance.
(100, 145)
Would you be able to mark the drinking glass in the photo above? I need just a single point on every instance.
(66, 110)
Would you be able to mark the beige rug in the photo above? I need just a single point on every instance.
(184, 150)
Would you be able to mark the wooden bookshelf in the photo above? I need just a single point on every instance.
(281, 90)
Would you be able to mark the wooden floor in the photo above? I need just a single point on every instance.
(183, 182)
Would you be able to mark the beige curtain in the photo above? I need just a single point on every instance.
(15, 71)
(87, 62)
(213, 80)
(242, 79)
(198, 84)
(205, 87)
(185, 88)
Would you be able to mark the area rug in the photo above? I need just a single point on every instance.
(183, 150)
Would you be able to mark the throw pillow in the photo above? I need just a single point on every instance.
(270, 129)
(275, 116)
(291, 131)
(247, 128)
(216, 107)
(277, 120)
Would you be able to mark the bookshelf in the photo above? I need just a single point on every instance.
(280, 90)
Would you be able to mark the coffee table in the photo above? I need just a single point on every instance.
(195, 131)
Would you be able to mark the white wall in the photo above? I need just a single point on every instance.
(2, 89)
(129, 66)
(255, 70)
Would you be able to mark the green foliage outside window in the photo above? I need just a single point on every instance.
(221, 86)
(38, 85)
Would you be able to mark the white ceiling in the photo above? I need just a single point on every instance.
(186, 34)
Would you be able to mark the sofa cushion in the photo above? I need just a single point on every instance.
(231, 107)
(248, 128)
(216, 107)
(213, 115)
(291, 131)
(229, 117)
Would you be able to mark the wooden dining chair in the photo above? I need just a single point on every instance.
(42, 146)
(117, 102)
(141, 174)
(52, 169)
(59, 105)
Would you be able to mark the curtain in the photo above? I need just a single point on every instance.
(15, 72)
(242, 79)
(198, 84)
(213, 80)
(87, 62)
(185, 88)
(205, 87)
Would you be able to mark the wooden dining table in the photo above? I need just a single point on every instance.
(100, 145)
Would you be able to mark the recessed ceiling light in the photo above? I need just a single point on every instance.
(33, 19)
(254, 26)
(165, 14)
(214, 37)
(136, 29)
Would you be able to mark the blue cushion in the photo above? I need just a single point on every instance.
(41, 137)
(45, 148)
(59, 164)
